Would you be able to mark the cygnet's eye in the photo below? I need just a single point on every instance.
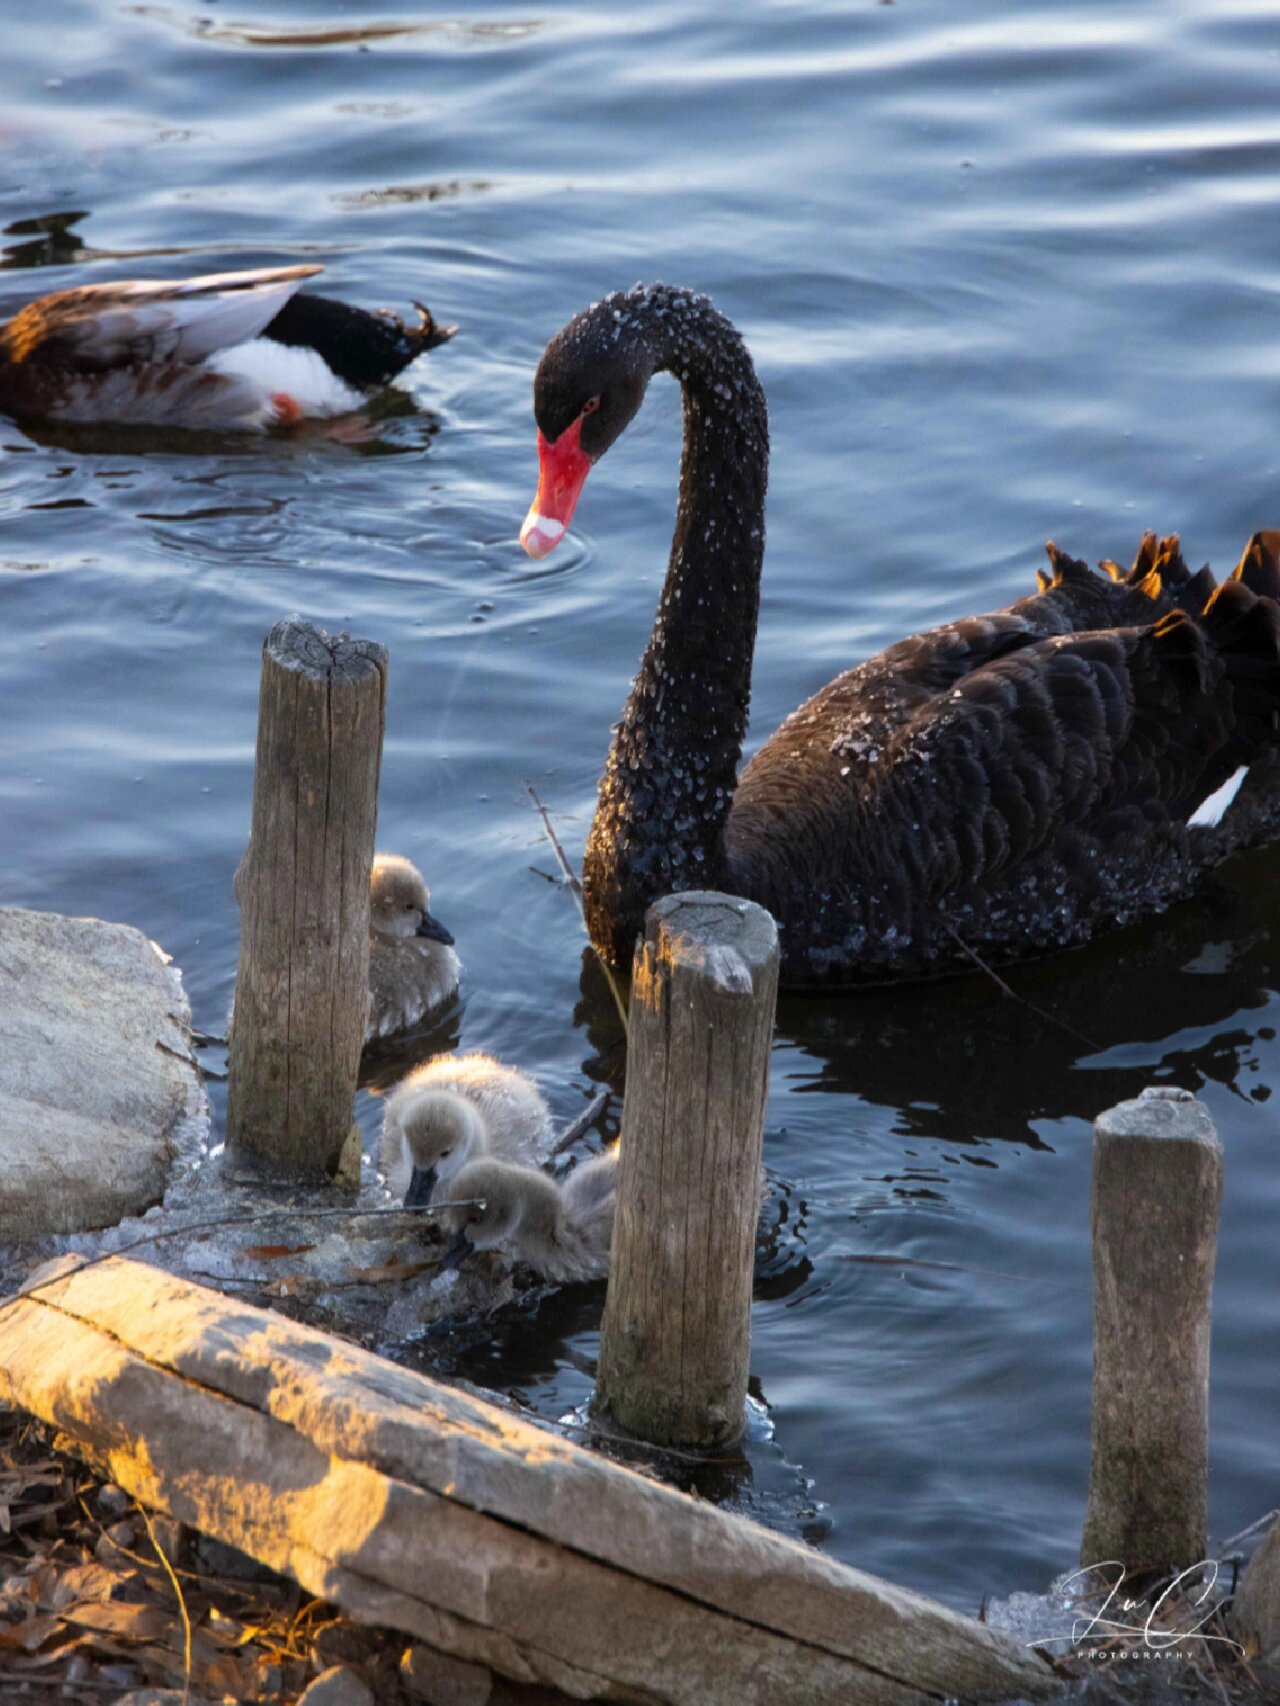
(409, 906)
(591, 405)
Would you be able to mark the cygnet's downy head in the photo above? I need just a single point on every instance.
(590, 383)
(496, 1200)
(442, 1132)
(399, 904)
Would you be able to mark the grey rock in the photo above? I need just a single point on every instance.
(337, 1686)
(440, 1680)
(158, 1697)
(99, 1091)
(113, 1499)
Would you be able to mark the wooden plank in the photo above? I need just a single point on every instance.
(379, 1486)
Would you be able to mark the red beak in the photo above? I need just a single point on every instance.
(562, 471)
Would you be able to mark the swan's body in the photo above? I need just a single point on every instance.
(562, 1231)
(1002, 784)
(413, 968)
(455, 1109)
(231, 351)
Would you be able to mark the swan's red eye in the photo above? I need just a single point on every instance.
(591, 405)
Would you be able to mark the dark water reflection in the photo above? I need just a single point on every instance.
(1008, 273)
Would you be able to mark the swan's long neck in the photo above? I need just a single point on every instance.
(671, 773)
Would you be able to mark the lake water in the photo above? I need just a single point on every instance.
(1009, 272)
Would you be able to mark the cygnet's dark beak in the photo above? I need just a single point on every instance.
(433, 930)
(421, 1186)
(457, 1252)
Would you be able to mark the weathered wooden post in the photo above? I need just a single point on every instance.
(302, 990)
(676, 1341)
(1157, 1189)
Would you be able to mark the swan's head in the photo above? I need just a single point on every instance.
(399, 904)
(490, 1199)
(496, 1201)
(589, 384)
(442, 1132)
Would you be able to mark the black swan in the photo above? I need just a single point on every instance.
(236, 351)
(998, 786)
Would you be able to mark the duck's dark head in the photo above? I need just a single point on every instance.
(590, 383)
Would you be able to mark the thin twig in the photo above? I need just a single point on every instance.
(583, 1124)
(104, 1539)
(186, 1059)
(318, 1282)
(182, 1603)
(190, 1060)
(570, 875)
(891, 1261)
(574, 885)
(644, 1447)
(1230, 1541)
(1013, 995)
(29, 1679)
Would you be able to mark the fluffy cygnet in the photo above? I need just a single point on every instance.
(562, 1231)
(413, 969)
(454, 1109)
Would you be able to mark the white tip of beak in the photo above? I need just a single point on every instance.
(541, 533)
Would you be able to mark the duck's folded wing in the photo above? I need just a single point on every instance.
(1073, 733)
(100, 326)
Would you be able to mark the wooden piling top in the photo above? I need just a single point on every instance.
(1159, 1113)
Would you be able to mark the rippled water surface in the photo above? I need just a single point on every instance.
(1009, 272)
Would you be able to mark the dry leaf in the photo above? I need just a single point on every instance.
(272, 1252)
(27, 1636)
(43, 1581)
(37, 1513)
(136, 1622)
(228, 1676)
(87, 1583)
(387, 1272)
(54, 1653)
